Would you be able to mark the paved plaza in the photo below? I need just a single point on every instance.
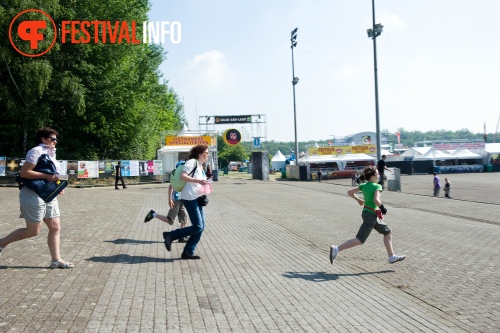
(264, 265)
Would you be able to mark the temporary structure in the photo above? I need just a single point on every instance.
(465, 154)
(278, 161)
(356, 157)
(416, 151)
(434, 154)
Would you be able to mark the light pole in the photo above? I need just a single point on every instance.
(295, 80)
(373, 33)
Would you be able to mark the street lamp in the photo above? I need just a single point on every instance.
(373, 33)
(295, 80)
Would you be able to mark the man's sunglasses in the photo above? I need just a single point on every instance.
(52, 139)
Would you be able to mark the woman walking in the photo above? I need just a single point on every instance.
(195, 178)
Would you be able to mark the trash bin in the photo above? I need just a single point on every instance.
(394, 180)
(215, 175)
(225, 170)
(488, 168)
(283, 174)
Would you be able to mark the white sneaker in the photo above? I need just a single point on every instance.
(395, 258)
(334, 250)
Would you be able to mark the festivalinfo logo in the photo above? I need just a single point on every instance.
(33, 32)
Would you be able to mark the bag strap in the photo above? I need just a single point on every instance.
(191, 174)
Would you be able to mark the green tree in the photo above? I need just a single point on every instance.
(106, 100)
(232, 153)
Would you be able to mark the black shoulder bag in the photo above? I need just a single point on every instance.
(45, 189)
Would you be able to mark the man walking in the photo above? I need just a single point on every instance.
(381, 167)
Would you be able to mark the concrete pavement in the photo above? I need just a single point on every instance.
(264, 265)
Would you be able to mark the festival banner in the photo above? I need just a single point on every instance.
(233, 119)
(457, 145)
(364, 149)
(157, 168)
(88, 169)
(63, 167)
(133, 168)
(188, 140)
(13, 166)
(107, 168)
(125, 168)
(3, 162)
(72, 169)
(342, 150)
(143, 168)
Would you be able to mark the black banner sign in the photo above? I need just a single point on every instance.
(232, 119)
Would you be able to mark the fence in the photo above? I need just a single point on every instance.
(90, 173)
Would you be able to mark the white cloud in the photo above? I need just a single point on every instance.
(210, 70)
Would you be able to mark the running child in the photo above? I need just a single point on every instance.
(372, 215)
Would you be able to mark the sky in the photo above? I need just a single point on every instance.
(438, 64)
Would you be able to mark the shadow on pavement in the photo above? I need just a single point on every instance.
(130, 241)
(18, 267)
(323, 276)
(127, 259)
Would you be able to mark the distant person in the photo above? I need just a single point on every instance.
(118, 175)
(34, 210)
(192, 191)
(447, 188)
(381, 167)
(209, 171)
(372, 215)
(436, 185)
(320, 175)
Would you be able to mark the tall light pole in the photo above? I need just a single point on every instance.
(295, 80)
(373, 33)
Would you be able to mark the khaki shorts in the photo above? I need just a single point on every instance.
(34, 209)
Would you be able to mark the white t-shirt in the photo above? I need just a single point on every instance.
(192, 191)
(34, 154)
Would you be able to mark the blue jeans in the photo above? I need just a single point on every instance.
(194, 231)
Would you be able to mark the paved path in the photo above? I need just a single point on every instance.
(264, 264)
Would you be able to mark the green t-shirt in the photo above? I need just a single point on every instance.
(369, 190)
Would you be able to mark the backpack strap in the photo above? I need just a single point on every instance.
(191, 174)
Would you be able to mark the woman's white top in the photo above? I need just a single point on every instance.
(192, 191)
(34, 154)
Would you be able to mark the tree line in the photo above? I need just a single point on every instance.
(107, 101)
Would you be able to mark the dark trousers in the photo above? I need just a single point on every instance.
(116, 182)
(381, 179)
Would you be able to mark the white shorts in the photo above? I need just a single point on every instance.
(34, 209)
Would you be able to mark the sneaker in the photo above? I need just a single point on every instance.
(189, 256)
(149, 217)
(334, 250)
(168, 240)
(395, 258)
(183, 240)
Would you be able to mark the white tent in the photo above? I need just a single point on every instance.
(356, 157)
(434, 154)
(278, 161)
(465, 154)
(416, 151)
(492, 148)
